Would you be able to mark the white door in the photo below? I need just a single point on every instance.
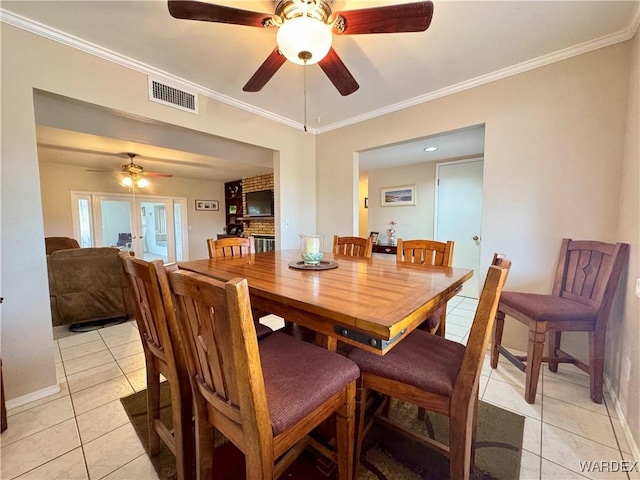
(458, 215)
(116, 223)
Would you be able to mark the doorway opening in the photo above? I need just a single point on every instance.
(410, 164)
(152, 227)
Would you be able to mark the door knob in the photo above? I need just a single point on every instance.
(476, 238)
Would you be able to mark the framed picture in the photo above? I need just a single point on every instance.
(233, 209)
(374, 236)
(212, 205)
(398, 196)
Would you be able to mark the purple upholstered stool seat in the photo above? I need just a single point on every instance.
(299, 377)
(425, 361)
(547, 308)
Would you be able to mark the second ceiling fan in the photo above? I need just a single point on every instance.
(305, 31)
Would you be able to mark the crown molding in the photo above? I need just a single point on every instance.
(595, 44)
(80, 44)
(98, 51)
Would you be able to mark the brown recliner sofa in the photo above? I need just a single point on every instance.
(87, 284)
(53, 244)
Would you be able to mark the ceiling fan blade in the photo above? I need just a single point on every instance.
(264, 73)
(156, 174)
(208, 12)
(337, 72)
(408, 17)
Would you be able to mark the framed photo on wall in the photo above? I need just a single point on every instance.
(398, 196)
(211, 205)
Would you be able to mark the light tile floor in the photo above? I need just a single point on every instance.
(83, 431)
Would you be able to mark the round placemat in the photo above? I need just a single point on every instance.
(324, 265)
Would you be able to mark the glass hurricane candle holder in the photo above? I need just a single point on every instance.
(311, 248)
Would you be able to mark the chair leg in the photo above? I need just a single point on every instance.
(442, 325)
(474, 430)
(361, 407)
(345, 435)
(153, 407)
(537, 336)
(496, 339)
(182, 416)
(554, 345)
(461, 426)
(596, 365)
(205, 434)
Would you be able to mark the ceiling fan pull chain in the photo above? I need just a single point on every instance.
(305, 95)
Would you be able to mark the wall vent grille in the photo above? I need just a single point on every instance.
(174, 97)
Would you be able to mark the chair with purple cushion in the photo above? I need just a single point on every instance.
(435, 374)
(264, 397)
(233, 248)
(428, 253)
(353, 246)
(164, 356)
(585, 283)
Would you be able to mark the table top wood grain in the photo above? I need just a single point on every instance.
(361, 301)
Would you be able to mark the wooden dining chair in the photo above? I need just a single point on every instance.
(353, 246)
(428, 253)
(238, 247)
(231, 247)
(164, 355)
(435, 374)
(265, 400)
(585, 283)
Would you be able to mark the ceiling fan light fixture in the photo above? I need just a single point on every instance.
(134, 180)
(304, 40)
(126, 182)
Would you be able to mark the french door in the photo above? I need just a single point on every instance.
(151, 227)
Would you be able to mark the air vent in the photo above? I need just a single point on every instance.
(172, 96)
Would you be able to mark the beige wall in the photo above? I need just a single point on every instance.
(57, 182)
(554, 150)
(415, 221)
(623, 337)
(31, 62)
(554, 157)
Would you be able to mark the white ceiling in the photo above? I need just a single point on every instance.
(468, 43)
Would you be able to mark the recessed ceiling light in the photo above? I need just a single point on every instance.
(431, 149)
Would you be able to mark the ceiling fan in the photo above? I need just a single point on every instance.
(305, 29)
(133, 174)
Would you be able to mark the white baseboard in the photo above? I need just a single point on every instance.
(635, 451)
(33, 396)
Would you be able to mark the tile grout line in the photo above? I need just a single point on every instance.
(75, 421)
(615, 434)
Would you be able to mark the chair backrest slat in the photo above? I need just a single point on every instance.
(425, 252)
(231, 247)
(353, 246)
(148, 304)
(469, 373)
(585, 270)
(218, 344)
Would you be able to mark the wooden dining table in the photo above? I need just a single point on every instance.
(368, 303)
